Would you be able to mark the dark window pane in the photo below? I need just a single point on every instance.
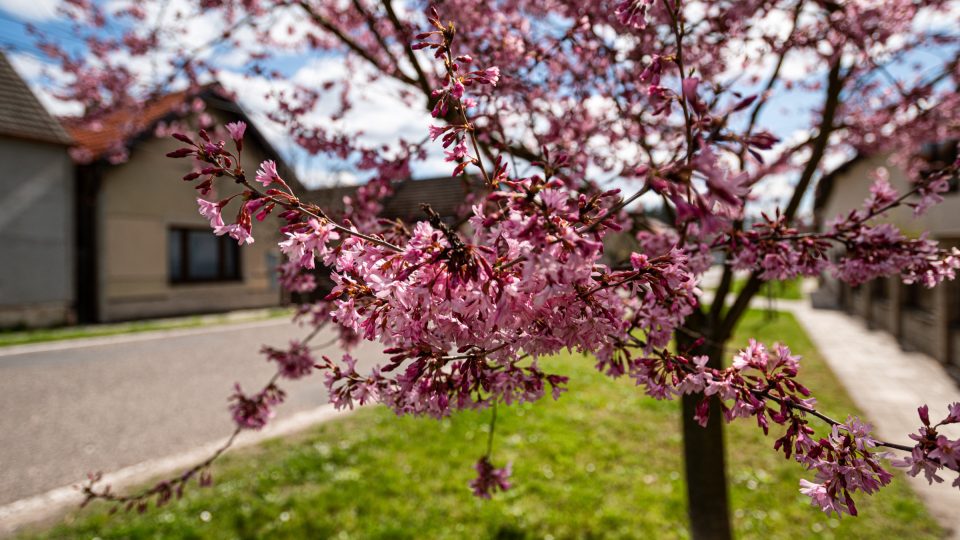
(203, 262)
(199, 255)
(231, 259)
(879, 288)
(175, 254)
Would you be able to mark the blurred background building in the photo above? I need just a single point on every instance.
(98, 239)
(37, 281)
(922, 319)
(142, 248)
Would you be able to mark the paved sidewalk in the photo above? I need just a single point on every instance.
(888, 385)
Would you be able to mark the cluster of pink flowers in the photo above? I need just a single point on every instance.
(255, 411)
(870, 249)
(882, 250)
(348, 388)
(215, 161)
(451, 97)
(293, 279)
(931, 189)
(457, 80)
(436, 387)
(699, 254)
(844, 463)
(293, 363)
(934, 452)
(777, 250)
(762, 384)
(490, 479)
(439, 293)
(633, 12)
(540, 288)
(308, 242)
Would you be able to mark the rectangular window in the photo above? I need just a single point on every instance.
(918, 297)
(878, 288)
(197, 256)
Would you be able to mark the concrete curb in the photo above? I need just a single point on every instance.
(51, 504)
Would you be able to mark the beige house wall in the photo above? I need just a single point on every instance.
(850, 190)
(140, 200)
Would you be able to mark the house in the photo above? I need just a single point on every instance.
(36, 224)
(927, 320)
(142, 249)
(445, 195)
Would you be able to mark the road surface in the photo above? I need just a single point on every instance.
(69, 408)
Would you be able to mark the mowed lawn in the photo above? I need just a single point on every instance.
(784, 290)
(602, 462)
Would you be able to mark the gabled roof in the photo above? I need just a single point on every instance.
(21, 114)
(118, 129)
(330, 199)
(444, 194)
(933, 153)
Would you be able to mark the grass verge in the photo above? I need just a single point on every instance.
(784, 290)
(602, 462)
(22, 337)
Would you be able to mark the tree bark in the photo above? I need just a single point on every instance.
(704, 457)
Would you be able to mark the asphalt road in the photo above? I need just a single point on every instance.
(69, 408)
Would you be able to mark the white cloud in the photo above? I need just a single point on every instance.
(37, 73)
(379, 116)
(938, 19)
(31, 10)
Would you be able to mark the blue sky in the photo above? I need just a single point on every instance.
(312, 70)
(380, 117)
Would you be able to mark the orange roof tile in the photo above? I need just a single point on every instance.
(117, 128)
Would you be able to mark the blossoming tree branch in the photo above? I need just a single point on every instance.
(543, 101)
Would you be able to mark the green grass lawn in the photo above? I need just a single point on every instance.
(602, 462)
(21, 337)
(783, 290)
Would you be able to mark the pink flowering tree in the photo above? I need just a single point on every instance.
(546, 102)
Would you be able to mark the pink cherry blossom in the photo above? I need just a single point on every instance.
(293, 363)
(305, 244)
(236, 231)
(633, 12)
(236, 130)
(267, 174)
(253, 412)
(490, 479)
(211, 211)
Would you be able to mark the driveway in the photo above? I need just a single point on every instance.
(101, 404)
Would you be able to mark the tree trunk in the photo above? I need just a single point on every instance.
(705, 459)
